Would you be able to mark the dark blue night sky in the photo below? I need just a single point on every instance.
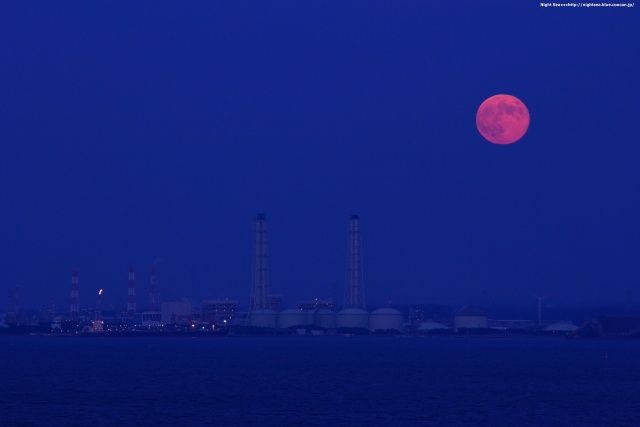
(132, 131)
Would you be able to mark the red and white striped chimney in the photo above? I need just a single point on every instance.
(75, 304)
(131, 299)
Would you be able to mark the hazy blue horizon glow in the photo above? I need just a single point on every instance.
(137, 131)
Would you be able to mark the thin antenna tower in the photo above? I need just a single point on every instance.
(354, 290)
(540, 307)
(53, 310)
(75, 301)
(153, 291)
(260, 292)
(131, 296)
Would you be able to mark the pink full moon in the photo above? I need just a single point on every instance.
(502, 119)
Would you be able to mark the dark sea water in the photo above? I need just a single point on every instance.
(323, 381)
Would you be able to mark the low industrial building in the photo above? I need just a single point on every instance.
(175, 312)
(219, 311)
(431, 326)
(511, 324)
(609, 327)
(147, 318)
(274, 302)
(561, 327)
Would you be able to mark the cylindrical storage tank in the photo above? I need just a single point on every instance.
(470, 318)
(352, 318)
(470, 322)
(263, 318)
(385, 318)
(293, 317)
(324, 318)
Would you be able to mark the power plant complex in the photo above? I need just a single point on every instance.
(353, 315)
(264, 310)
(265, 313)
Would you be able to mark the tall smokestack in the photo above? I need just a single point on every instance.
(354, 292)
(75, 301)
(131, 298)
(260, 294)
(153, 291)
